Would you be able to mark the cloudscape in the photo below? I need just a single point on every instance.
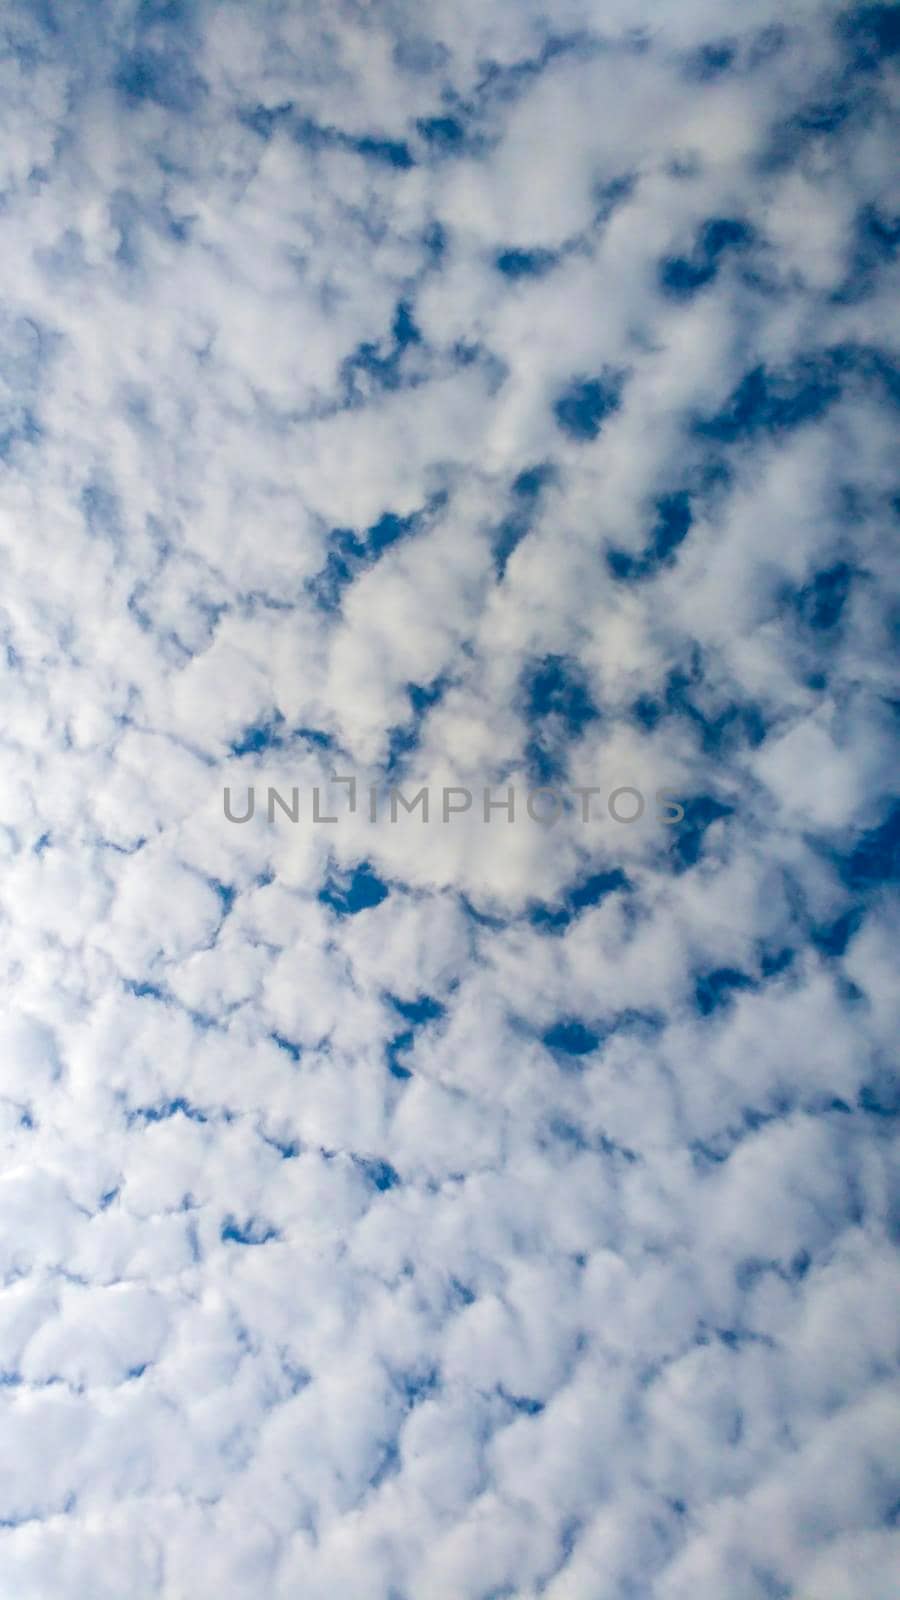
(449, 600)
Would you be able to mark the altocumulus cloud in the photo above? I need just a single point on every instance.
(472, 395)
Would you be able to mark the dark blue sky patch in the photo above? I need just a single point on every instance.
(682, 276)
(387, 530)
(734, 728)
(388, 152)
(775, 961)
(557, 708)
(505, 82)
(570, 1037)
(251, 1232)
(820, 604)
(772, 402)
(778, 401)
(609, 196)
(390, 528)
(591, 891)
(360, 892)
(711, 60)
(162, 78)
(288, 1149)
(875, 859)
(482, 919)
(423, 696)
(822, 116)
(379, 1173)
(524, 1404)
(167, 1109)
(313, 135)
(260, 737)
(766, 44)
(444, 135)
(580, 896)
(626, 567)
(405, 737)
(318, 136)
(416, 1385)
(555, 686)
(872, 34)
(145, 991)
(819, 119)
(425, 1008)
(350, 552)
(315, 736)
(287, 1045)
(417, 1013)
(381, 361)
(395, 1049)
(799, 1266)
(527, 490)
(262, 120)
(730, 728)
(700, 812)
(880, 233)
(877, 367)
(530, 483)
(672, 524)
(832, 938)
(403, 328)
(877, 237)
(552, 919)
(226, 892)
(585, 405)
(880, 1097)
(714, 989)
(525, 263)
(342, 563)
(647, 710)
(151, 12)
(545, 762)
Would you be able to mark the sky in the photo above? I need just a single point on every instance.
(460, 397)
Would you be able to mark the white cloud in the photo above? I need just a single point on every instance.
(527, 1232)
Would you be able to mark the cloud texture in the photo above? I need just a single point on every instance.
(452, 395)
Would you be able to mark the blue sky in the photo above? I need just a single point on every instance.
(454, 396)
